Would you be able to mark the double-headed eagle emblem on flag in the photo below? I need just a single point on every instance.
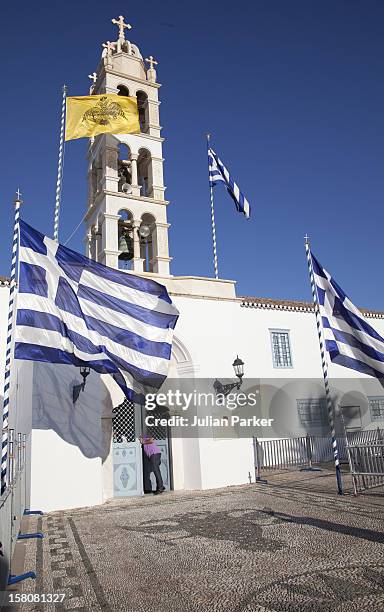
(88, 116)
(103, 112)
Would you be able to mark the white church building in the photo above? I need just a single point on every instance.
(87, 451)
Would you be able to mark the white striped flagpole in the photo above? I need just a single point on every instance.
(60, 166)
(215, 264)
(8, 353)
(324, 365)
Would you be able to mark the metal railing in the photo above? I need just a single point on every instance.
(282, 453)
(322, 450)
(293, 453)
(366, 462)
(13, 500)
(303, 452)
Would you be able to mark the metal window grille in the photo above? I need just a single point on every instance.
(376, 406)
(281, 349)
(123, 423)
(312, 411)
(158, 432)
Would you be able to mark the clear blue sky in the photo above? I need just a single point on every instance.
(293, 93)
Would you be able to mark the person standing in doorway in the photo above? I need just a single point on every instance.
(152, 459)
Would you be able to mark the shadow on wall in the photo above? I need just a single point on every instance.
(80, 423)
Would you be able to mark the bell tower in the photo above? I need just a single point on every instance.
(127, 214)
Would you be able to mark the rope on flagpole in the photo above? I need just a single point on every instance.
(212, 218)
(324, 366)
(76, 228)
(60, 166)
(8, 352)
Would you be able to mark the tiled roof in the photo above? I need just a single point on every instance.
(295, 305)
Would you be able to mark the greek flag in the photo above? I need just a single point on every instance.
(73, 310)
(350, 341)
(218, 173)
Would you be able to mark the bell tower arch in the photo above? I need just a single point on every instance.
(126, 221)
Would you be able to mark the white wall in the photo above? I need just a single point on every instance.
(215, 331)
(226, 462)
(61, 476)
(69, 442)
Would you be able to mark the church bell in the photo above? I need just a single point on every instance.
(126, 247)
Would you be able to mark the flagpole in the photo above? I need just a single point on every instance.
(212, 218)
(60, 166)
(324, 366)
(8, 352)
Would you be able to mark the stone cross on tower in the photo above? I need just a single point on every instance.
(93, 78)
(109, 46)
(151, 73)
(120, 22)
(107, 53)
(151, 61)
(122, 26)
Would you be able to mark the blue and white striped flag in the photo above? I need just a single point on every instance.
(73, 310)
(349, 340)
(218, 173)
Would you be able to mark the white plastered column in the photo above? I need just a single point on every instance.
(98, 238)
(110, 236)
(161, 259)
(110, 157)
(156, 178)
(153, 117)
(135, 187)
(91, 194)
(88, 244)
(137, 260)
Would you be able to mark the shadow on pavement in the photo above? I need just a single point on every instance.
(356, 532)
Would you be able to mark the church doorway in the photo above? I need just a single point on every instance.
(162, 437)
(128, 423)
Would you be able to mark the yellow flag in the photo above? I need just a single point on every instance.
(105, 114)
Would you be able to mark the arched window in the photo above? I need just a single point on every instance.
(146, 230)
(124, 168)
(125, 215)
(125, 235)
(142, 105)
(122, 90)
(144, 174)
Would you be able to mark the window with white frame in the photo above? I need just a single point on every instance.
(281, 348)
(312, 412)
(376, 407)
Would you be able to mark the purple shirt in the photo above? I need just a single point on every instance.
(151, 449)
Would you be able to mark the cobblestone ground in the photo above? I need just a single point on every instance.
(292, 544)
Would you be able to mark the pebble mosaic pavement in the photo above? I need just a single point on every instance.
(291, 545)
